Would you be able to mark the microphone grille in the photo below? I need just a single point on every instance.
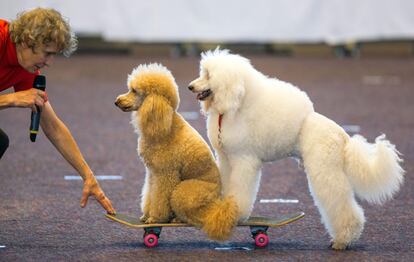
(40, 82)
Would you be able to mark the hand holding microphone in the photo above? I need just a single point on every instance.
(40, 84)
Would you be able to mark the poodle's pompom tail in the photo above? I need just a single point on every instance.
(373, 169)
(221, 219)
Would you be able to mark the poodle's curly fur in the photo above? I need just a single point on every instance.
(182, 181)
(252, 118)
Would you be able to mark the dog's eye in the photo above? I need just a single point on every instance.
(133, 91)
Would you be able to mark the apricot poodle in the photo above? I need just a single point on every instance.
(182, 181)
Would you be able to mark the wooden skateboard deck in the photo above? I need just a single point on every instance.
(258, 226)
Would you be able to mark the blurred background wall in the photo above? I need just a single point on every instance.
(275, 26)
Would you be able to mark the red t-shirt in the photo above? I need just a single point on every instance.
(11, 73)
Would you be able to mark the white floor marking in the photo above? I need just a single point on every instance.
(232, 248)
(97, 177)
(351, 128)
(376, 80)
(279, 200)
(190, 115)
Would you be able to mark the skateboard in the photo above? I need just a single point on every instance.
(258, 226)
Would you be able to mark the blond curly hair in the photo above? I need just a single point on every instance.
(42, 26)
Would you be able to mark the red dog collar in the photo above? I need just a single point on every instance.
(219, 121)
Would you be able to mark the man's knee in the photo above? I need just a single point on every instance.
(4, 142)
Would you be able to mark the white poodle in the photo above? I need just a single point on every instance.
(252, 119)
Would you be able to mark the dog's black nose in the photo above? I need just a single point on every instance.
(191, 88)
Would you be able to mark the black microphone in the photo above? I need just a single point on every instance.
(38, 83)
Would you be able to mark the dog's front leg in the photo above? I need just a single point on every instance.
(243, 183)
(161, 189)
(225, 170)
(146, 197)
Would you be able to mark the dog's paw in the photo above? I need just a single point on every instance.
(150, 220)
(176, 220)
(339, 246)
(143, 218)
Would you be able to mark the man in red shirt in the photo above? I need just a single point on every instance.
(28, 44)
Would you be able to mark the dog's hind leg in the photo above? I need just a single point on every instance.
(332, 194)
(322, 146)
(199, 203)
(191, 195)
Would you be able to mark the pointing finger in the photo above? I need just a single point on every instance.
(84, 200)
(107, 205)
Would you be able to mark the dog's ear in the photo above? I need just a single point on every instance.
(229, 96)
(155, 116)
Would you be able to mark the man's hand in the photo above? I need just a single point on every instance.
(29, 98)
(92, 188)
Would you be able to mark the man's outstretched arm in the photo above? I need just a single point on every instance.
(60, 136)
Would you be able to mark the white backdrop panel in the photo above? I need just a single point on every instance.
(300, 21)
